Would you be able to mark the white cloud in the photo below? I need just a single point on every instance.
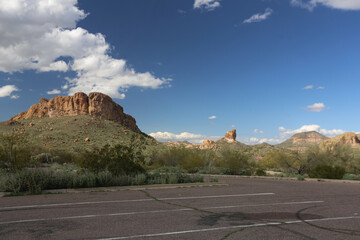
(285, 133)
(337, 4)
(258, 131)
(259, 17)
(42, 35)
(212, 117)
(54, 91)
(254, 140)
(14, 96)
(316, 107)
(331, 133)
(7, 90)
(181, 11)
(185, 136)
(207, 5)
(308, 87)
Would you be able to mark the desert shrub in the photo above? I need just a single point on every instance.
(349, 176)
(233, 162)
(197, 178)
(14, 155)
(289, 162)
(140, 179)
(214, 180)
(194, 159)
(190, 159)
(61, 156)
(31, 181)
(170, 175)
(41, 158)
(119, 160)
(84, 180)
(104, 179)
(326, 171)
(300, 178)
(260, 172)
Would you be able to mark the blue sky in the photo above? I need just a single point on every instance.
(190, 69)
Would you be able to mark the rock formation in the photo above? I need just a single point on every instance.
(230, 136)
(96, 104)
(350, 138)
(207, 144)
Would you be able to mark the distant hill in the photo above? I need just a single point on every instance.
(349, 138)
(302, 141)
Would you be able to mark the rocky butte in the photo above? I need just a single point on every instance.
(230, 137)
(96, 104)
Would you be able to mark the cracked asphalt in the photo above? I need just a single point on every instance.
(244, 209)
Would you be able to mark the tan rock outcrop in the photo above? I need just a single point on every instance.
(230, 136)
(207, 144)
(96, 104)
(347, 138)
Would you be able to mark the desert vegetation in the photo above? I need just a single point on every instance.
(25, 168)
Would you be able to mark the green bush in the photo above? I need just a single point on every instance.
(233, 162)
(33, 181)
(326, 171)
(349, 176)
(300, 178)
(260, 172)
(214, 180)
(119, 160)
(140, 179)
(198, 178)
(14, 155)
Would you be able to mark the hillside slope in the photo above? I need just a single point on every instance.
(70, 133)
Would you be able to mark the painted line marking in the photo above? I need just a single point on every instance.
(154, 211)
(231, 227)
(134, 200)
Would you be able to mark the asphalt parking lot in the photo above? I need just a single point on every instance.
(244, 209)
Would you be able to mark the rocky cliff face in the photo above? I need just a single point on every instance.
(349, 138)
(96, 104)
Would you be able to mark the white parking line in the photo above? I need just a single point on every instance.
(134, 200)
(154, 211)
(231, 227)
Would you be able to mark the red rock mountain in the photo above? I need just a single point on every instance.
(96, 104)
